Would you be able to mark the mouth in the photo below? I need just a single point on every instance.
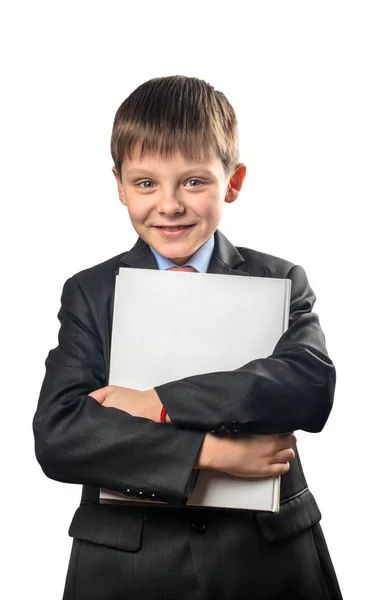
(173, 231)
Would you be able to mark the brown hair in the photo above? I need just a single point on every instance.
(169, 114)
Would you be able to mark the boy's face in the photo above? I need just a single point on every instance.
(175, 206)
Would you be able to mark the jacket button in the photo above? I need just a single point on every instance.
(141, 495)
(199, 527)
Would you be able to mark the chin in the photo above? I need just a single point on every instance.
(177, 257)
(179, 250)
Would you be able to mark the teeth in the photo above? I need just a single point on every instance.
(173, 228)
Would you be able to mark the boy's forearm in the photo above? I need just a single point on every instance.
(247, 455)
(79, 441)
(268, 396)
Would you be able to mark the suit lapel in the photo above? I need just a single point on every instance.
(225, 259)
(139, 257)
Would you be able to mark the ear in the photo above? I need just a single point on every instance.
(235, 183)
(121, 192)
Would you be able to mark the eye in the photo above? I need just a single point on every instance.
(139, 184)
(200, 181)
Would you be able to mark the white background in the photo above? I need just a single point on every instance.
(310, 85)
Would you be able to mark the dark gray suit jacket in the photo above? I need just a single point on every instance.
(77, 441)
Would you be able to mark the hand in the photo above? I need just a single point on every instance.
(137, 403)
(248, 455)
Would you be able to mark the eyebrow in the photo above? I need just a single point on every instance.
(203, 170)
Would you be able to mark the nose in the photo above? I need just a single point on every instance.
(170, 204)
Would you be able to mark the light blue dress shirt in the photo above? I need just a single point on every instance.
(199, 261)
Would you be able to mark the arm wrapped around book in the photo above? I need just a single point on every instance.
(79, 441)
(291, 389)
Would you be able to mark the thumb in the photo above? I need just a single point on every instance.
(101, 394)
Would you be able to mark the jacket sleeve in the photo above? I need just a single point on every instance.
(79, 441)
(291, 389)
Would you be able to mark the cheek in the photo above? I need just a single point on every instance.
(215, 215)
(210, 208)
(137, 211)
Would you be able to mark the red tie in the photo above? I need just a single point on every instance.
(188, 269)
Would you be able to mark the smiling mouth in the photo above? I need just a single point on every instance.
(177, 228)
(173, 231)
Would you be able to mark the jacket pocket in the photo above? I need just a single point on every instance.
(109, 526)
(297, 513)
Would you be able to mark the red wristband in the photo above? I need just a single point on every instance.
(163, 414)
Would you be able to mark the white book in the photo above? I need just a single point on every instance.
(171, 325)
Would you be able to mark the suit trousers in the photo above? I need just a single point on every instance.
(198, 554)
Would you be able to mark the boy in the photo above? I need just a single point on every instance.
(175, 150)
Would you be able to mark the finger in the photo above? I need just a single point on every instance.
(284, 468)
(100, 395)
(286, 441)
(279, 469)
(283, 456)
(289, 434)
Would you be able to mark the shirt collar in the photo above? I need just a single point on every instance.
(199, 261)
